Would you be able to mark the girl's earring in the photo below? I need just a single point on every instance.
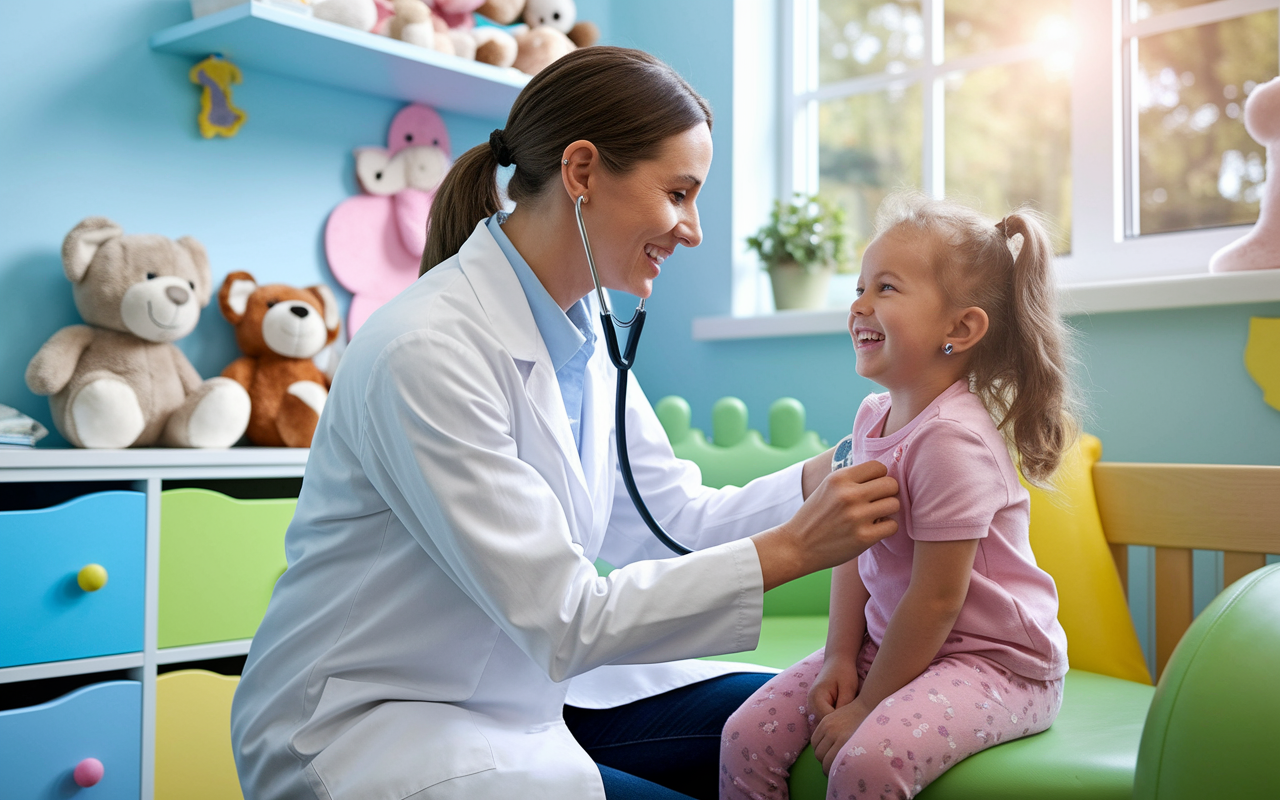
(948, 349)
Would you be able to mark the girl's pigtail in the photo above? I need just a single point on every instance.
(1041, 417)
(468, 194)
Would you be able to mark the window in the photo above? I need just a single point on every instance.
(956, 97)
(1122, 120)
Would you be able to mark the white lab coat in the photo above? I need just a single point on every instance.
(441, 591)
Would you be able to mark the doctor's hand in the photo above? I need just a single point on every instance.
(845, 515)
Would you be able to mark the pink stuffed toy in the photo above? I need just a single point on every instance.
(374, 241)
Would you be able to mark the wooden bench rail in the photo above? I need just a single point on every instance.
(1177, 508)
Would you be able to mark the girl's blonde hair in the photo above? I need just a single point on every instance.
(1020, 367)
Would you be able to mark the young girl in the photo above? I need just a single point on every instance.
(943, 638)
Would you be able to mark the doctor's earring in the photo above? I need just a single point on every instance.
(565, 162)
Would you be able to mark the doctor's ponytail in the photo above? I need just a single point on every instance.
(625, 102)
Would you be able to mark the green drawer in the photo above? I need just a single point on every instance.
(219, 559)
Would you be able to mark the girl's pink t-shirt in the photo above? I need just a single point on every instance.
(957, 481)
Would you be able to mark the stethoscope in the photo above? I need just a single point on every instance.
(623, 361)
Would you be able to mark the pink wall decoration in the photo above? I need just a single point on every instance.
(374, 240)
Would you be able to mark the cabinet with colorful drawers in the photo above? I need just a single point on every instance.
(120, 571)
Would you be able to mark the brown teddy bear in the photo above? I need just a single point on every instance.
(119, 381)
(279, 329)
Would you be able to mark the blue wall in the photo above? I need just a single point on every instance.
(103, 125)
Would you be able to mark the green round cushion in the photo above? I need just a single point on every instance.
(1210, 731)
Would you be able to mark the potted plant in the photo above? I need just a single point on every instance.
(800, 246)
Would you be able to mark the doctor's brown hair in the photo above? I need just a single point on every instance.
(625, 102)
(1020, 368)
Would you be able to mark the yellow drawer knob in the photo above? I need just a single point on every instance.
(92, 577)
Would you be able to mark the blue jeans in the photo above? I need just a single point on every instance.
(665, 747)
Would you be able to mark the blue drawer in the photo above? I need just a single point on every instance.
(45, 614)
(41, 746)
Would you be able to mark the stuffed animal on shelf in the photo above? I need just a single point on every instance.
(416, 24)
(549, 29)
(456, 15)
(495, 45)
(448, 26)
(359, 14)
(119, 381)
(1260, 247)
(563, 16)
(374, 241)
(279, 330)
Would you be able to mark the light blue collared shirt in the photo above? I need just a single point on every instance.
(570, 338)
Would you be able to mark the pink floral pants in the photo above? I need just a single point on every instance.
(958, 706)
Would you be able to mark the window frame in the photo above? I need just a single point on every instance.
(1103, 133)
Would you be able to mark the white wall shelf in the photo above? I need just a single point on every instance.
(259, 36)
(1182, 291)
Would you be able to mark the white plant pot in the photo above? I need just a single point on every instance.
(796, 287)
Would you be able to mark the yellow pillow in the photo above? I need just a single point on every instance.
(1067, 539)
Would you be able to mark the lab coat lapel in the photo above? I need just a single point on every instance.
(504, 303)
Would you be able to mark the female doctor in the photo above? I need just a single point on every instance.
(441, 605)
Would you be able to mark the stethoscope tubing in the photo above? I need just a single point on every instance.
(623, 361)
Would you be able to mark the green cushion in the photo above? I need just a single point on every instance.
(784, 641)
(1210, 731)
(1090, 752)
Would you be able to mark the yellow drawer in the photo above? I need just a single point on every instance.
(193, 737)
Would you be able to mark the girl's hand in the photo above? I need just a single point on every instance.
(835, 730)
(835, 687)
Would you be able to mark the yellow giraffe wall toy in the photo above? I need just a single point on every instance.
(218, 117)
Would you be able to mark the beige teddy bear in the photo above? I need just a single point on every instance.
(119, 381)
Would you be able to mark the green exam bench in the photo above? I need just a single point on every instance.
(1091, 751)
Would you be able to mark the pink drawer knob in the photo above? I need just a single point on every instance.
(88, 773)
(92, 577)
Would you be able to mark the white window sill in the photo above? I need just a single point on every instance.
(1181, 291)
